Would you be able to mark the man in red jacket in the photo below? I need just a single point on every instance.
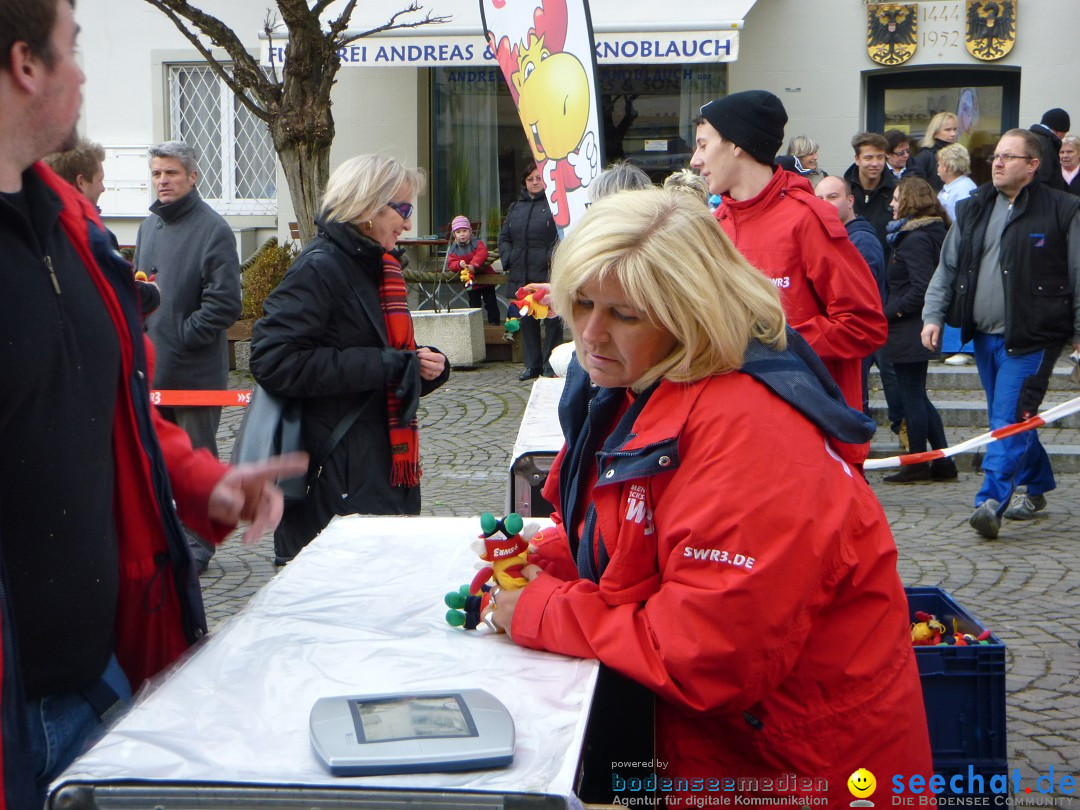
(97, 592)
(797, 240)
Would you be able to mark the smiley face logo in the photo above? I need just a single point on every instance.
(862, 784)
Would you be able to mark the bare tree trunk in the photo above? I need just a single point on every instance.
(307, 168)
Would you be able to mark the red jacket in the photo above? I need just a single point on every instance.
(772, 626)
(159, 609)
(475, 258)
(829, 294)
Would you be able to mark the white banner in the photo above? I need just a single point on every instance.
(544, 49)
(455, 50)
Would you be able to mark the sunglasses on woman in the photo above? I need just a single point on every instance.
(404, 209)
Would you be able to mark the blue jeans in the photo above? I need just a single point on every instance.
(950, 341)
(1018, 460)
(61, 725)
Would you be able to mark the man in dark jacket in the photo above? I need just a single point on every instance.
(898, 155)
(837, 193)
(190, 251)
(871, 183)
(1009, 277)
(1051, 129)
(96, 590)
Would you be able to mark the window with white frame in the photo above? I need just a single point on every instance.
(237, 165)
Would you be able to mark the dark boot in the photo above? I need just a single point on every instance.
(910, 473)
(943, 469)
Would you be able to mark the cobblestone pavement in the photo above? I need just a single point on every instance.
(1025, 585)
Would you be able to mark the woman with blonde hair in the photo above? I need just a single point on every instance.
(940, 132)
(338, 336)
(690, 182)
(953, 166)
(680, 556)
(802, 159)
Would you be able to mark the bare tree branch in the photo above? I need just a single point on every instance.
(270, 26)
(294, 98)
(246, 74)
(320, 7)
(342, 21)
(392, 25)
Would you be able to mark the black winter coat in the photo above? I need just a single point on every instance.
(323, 339)
(1050, 162)
(526, 241)
(873, 205)
(925, 162)
(912, 262)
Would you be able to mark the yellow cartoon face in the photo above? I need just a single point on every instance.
(553, 101)
(862, 783)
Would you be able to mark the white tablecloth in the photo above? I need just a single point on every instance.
(358, 611)
(539, 430)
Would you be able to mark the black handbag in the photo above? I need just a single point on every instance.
(271, 426)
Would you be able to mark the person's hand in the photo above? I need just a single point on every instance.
(540, 291)
(931, 336)
(506, 601)
(431, 363)
(248, 492)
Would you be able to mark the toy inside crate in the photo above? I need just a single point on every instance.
(963, 690)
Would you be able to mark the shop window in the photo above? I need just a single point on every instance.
(480, 149)
(986, 103)
(237, 163)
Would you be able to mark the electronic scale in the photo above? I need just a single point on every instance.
(417, 732)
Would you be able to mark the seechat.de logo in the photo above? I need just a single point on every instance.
(862, 785)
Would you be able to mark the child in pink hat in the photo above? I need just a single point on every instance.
(467, 256)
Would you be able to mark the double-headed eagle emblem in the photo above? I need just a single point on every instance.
(890, 33)
(991, 28)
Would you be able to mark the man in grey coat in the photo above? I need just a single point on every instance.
(190, 251)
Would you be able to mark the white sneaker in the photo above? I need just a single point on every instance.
(958, 360)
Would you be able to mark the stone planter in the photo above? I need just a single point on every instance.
(458, 334)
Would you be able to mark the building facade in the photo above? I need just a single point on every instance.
(434, 97)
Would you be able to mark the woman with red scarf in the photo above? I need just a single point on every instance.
(338, 335)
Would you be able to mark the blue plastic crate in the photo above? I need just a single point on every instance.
(963, 690)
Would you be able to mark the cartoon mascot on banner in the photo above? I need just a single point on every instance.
(551, 90)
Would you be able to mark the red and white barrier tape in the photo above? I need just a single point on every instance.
(180, 398)
(1037, 421)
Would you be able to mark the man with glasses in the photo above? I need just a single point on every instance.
(1009, 277)
(190, 251)
(898, 154)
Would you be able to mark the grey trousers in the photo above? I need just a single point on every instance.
(201, 426)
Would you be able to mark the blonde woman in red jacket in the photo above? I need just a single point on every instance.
(771, 629)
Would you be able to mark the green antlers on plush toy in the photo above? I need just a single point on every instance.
(503, 547)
